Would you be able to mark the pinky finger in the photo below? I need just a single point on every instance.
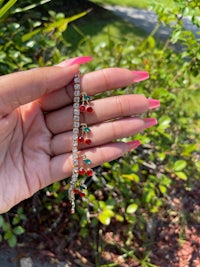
(61, 166)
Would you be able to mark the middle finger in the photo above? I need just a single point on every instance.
(92, 83)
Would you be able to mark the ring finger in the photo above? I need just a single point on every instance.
(102, 134)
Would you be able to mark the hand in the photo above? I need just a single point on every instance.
(36, 126)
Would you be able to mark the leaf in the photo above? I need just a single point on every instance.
(119, 218)
(179, 165)
(186, 11)
(18, 230)
(56, 186)
(165, 180)
(12, 241)
(149, 195)
(197, 165)
(8, 235)
(30, 6)
(131, 219)
(6, 7)
(151, 42)
(1, 220)
(107, 165)
(175, 36)
(161, 156)
(164, 121)
(188, 149)
(105, 217)
(29, 35)
(102, 204)
(163, 189)
(6, 226)
(54, 25)
(131, 177)
(132, 208)
(181, 175)
(20, 210)
(154, 209)
(15, 220)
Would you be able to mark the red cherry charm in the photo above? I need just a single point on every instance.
(89, 172)
(88, 141)
(82, 108)
(76, 191)
(81, 171)
(81, 139)
(89, 109)
(81, 194)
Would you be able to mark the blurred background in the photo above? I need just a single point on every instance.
(142, 209)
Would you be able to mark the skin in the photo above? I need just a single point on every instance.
(36, 126)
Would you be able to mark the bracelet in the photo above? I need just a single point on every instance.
(80, 135)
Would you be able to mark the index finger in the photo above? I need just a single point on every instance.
(94, 83)
(23, 87)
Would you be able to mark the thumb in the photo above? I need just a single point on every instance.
(23, 87)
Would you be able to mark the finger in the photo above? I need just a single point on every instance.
(102, 134)
(76, 60)
(61, 166)
(23, 87)
(104, 109)
(92, 83)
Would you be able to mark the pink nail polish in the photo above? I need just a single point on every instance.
(139, 76)
(153, 103)
(149, 122)
(76, 60)
(133, 144)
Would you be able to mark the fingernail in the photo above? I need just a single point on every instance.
(76, 60)
(139, 76)
(149, 122)
(133, 144)
(153, 103)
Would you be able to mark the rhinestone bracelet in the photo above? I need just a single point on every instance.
(80, 135)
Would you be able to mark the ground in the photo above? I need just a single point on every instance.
(173, 243)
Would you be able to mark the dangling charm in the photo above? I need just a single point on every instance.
(85, 170)
(88, 171)
(83, 138)
(85, 103)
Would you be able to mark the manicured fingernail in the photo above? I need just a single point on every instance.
(76, 60)
(133, 144)
(153, 103)
(139, 76)
(149, 122)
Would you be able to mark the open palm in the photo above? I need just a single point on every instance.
(36, 126)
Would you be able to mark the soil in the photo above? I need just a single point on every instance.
(174, 241)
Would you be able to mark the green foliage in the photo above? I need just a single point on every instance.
(169, 153)
(136, 188)
(29, 41)
(5, 8)
(11, 227)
